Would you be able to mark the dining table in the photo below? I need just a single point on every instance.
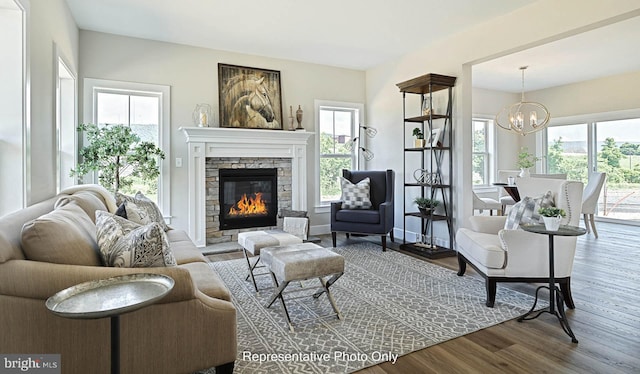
(511, 189)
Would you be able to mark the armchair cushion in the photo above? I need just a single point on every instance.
(364, 216)
(355, 196)
(481, 248)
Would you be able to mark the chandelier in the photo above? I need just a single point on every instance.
(354, 143)
(514, 117)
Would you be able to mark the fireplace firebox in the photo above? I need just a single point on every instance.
(248, 198)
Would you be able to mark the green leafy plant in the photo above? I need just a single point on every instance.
(118, 155)
(551, 212)
(418, 133)
(526, 160)
(425, 202)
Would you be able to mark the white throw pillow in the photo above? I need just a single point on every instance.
(356, 196)
(124, 243)
(141, 209)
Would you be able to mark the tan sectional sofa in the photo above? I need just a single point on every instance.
(192, 328)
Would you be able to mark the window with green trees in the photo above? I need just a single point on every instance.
(612, 147)
(336, 128)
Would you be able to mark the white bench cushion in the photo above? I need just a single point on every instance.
(302, 261)
(254, 241)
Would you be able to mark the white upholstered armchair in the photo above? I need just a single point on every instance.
(501, 255)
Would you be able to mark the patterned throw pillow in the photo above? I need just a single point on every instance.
(124, 243)
(355, 196)
(526, 211)
(141, 209)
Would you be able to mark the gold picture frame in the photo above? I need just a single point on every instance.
(249, 97)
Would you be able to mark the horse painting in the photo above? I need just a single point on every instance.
(247, 101)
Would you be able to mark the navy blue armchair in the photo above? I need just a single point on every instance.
(375, 221)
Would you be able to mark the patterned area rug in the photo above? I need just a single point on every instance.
(392, 304)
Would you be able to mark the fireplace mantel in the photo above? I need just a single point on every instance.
(206, 142)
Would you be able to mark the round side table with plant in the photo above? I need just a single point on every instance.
(419, 142)
(425, 205)
(552, 217)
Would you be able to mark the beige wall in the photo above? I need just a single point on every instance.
(192, 74)
(50, 22)
(455, 56)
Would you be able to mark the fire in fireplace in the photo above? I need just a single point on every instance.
(248, 198)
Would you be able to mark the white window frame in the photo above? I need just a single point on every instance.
(490, 152)
(94, 86)
(358, 109)
(66, 138)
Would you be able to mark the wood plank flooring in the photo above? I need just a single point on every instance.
(606, 321)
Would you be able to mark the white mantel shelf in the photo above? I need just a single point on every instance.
(206, 142)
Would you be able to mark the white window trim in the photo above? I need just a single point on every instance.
(92, 86)
(321, 207)
(492, 150)
(59, 58)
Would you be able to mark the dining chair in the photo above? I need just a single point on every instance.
(482, 203)
(590, 200)
(503, 197)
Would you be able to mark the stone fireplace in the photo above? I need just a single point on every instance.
(231, 148)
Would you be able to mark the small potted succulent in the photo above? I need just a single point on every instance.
(425, 204)
(551, 217)
(419, 142)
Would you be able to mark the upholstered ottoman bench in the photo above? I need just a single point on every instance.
(253, 241)
(298, 262)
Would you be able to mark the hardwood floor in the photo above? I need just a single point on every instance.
(606, 321)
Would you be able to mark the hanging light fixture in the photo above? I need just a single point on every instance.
(525, 117)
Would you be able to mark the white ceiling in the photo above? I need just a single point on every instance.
(602, 52)
(357, 34)
(361, 34)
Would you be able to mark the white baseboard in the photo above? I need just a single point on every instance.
(320, 230)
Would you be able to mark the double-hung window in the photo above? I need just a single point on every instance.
(483, 150)
(144, 108)
(336, 124)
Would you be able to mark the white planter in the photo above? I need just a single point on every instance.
(552, 223)
(524, 173)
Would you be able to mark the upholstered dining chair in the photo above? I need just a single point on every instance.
(504, 198)
(377, 220)
(482, 203)
(590, 200)
(501, 255)
(550, 176)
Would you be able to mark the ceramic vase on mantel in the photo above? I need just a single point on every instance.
(299, 118)
(524, 173)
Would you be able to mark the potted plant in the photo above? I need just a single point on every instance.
(526, 161)
(425, 204)
(551, 217)
(419, 142)
(118, 155)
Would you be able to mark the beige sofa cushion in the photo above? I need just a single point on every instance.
(88, 201)
(64, 236)
(207, 280)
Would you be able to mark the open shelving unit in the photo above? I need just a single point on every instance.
(434, 161)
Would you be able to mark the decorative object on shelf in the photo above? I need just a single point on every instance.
(513, 117)
(425, 205)
(419, 142)
(426, 105)
(299, 118)
(351, 144)
(552, 217)
(426, 177)
(249, 97)
(202, 115)
(526, 161)
(434, 139)
(291, 127)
